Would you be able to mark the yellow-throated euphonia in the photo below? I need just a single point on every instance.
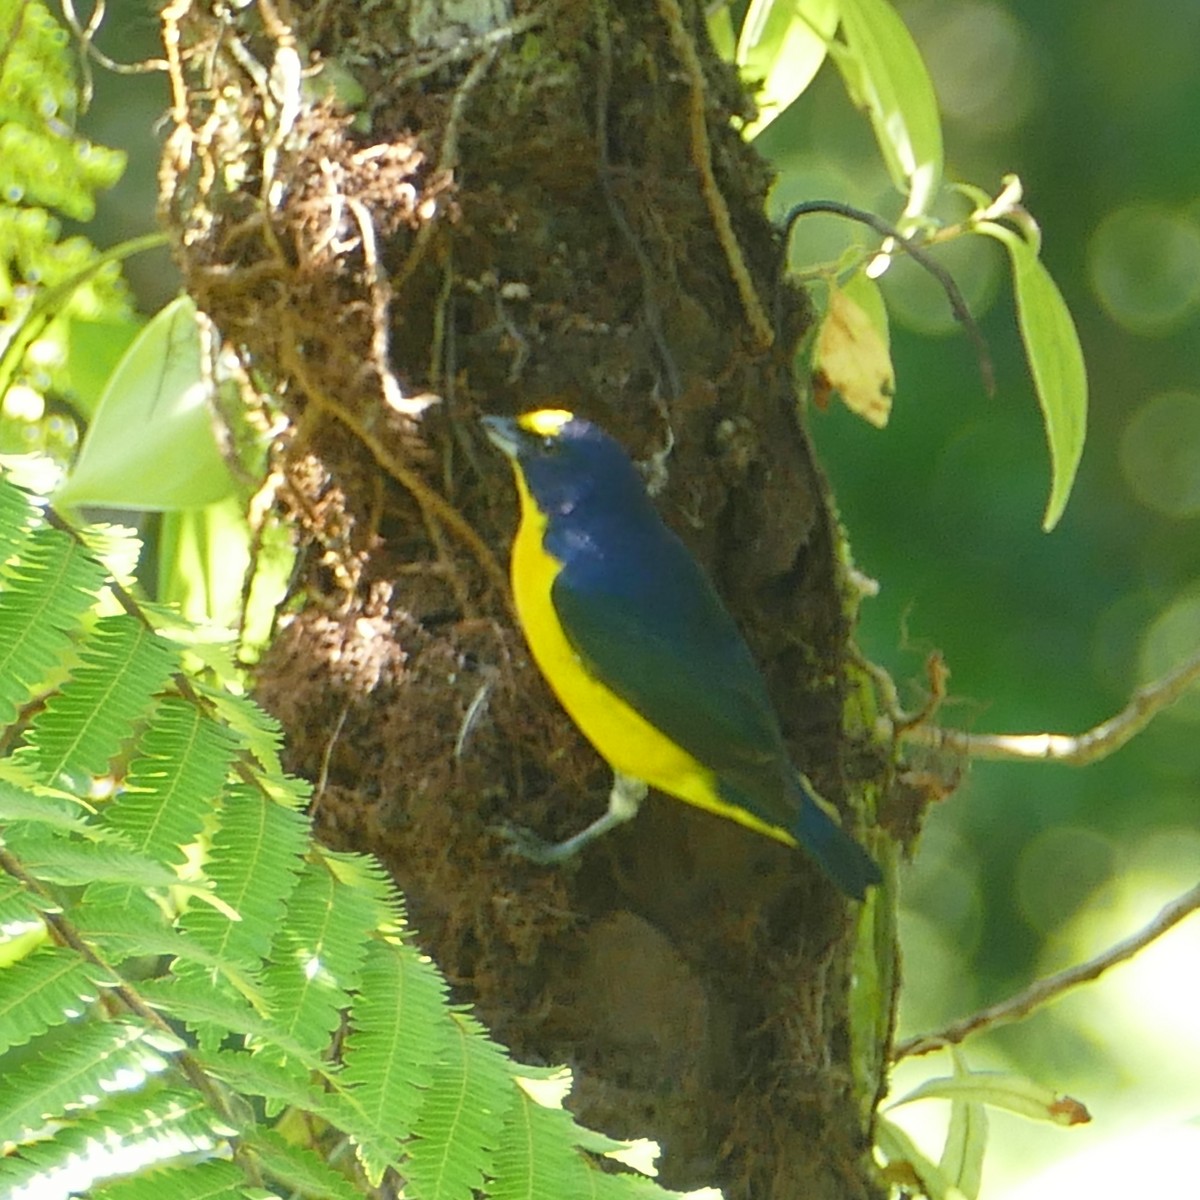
(640, 650)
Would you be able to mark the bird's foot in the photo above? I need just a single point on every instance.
(524, 843)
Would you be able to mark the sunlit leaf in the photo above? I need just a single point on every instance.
(966, 1138)
(151, 444)
(1055, 361)
(886, 77)
(781, 47)
(907, 1167)
(1007, 1090)
(720, 32)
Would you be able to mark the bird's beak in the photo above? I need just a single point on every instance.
(503, 433)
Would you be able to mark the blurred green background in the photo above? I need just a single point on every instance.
(1026, 868)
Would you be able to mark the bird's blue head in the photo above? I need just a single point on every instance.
(564, 459)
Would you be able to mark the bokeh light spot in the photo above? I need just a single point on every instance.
(1144, 265)
(1058, 870)
(1171, 640)
(979, 57)
(1160, 454)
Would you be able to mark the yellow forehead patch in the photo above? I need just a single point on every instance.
(545, 422)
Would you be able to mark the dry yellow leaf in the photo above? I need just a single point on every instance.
(852, 359)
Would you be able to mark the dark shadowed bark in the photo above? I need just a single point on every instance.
(552, 212)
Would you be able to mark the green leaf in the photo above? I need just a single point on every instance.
(781, 47)
(151, 445)
(93, 350)
(536, 1158)
(45, 595)
(1055, 361)
(209, 1180)
(96, 1059)
(297, 1168)
(396, 1038)
(886, 76)
(174, 781)
(121, 934)
(317, 958)
(198, 1003)
(1006, 1090)
(42, 161)
(462, 1116)
(19, 908)
(204, 554)
(48, 988)
(904, 1158)
(966, 1138)
(60, 860)
(84, 724)
(288, 1088)
(126, 1132)
(255, 858)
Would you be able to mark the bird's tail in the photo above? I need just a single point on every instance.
(837, 854)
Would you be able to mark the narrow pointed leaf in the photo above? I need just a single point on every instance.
(886, 76)
(1055, 361)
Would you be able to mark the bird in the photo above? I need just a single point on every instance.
(633, 639)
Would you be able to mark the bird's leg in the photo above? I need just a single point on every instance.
(623, 802)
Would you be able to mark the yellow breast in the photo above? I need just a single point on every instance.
(627, 740)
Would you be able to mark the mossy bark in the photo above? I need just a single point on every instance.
(551, 211)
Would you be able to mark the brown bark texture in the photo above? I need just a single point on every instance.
(542, 207)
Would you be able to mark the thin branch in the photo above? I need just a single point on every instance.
(433, 507)
(958, 305)
(68, 935)
(718, 210)
(1042, 991)
(1076, 751)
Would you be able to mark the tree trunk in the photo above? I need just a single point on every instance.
(542, 209)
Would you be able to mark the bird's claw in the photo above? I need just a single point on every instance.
(524, 843)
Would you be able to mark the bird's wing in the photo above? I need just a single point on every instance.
(663, 642)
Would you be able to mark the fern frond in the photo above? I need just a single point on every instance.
(197, 1004)
(58, 810)
(120, 934)
(174, 780)
(83, 725)
(397, 1038)
(48, 988)
(19, 908)
(15, 518)
(45, 593)
(297, 1169)
(366, 876)
(211, 1180)
(87, 1061)
(254, 860)
(460, 1120)
(125, 1133)
(280, 1086)
(47, 855)
(258, 731)
(317, 957)
(536, 1157)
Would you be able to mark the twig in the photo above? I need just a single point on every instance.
(1076, 751)
(718, 211)
(432, 505)
(464, 49)
(1044, 990)
(919, 255)
(69, 936)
